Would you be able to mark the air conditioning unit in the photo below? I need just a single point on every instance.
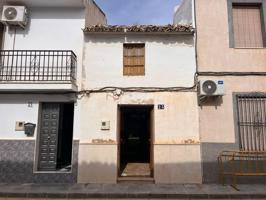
(14, 15)
(211, 88)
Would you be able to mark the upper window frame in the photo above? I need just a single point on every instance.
(230, 4)
(143, 45)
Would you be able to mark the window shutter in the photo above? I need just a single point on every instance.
(247, 25)
(134, 59)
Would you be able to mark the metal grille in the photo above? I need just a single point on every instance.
(252, 122)
(37, 65)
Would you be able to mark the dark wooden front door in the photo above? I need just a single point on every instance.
(49, 136)
(135, 146)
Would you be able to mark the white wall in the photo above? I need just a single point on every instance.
(16, 108)
(184, 13)
(49, 29)
(169, 61)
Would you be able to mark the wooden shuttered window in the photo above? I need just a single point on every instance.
(247, 26)
(134, 60)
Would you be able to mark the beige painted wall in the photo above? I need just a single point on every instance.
(213, 49)
(97, 163)
(177, 164)
(176, 124)
(175, 128)
(217, 124)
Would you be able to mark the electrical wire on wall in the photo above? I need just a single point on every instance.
(118, 91)
(231, 73)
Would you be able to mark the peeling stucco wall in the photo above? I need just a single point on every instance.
(169, 61)
(175, 130)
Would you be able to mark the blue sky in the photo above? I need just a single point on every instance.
(138, 11)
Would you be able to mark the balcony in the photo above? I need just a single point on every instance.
(37, 70)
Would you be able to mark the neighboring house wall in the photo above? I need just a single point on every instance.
(94, 15)
(58, 28)
(18, 160)
(169, 62)
(184, 13)
(218, 121)
(214, 52)
(49, 28)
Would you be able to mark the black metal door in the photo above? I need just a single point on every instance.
(252, 122)
(49, 136)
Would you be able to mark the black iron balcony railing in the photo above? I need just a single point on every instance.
(37, 66)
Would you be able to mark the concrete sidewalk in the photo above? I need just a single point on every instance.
(128, 190)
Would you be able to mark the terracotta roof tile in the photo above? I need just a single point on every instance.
(139, 29)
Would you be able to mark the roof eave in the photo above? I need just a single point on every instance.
(138, 33)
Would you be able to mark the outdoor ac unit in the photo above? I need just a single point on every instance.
(14, 15)
(211, 88)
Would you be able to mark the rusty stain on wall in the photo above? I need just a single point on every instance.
(180, 142)
(139, 101)
(103, 141)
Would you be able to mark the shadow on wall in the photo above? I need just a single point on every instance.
(210, 101)
(169, 173)
(17, 162)
(210, 152)
(97, 172)
(186, 40)
(17, 159)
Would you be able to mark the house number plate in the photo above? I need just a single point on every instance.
(160, 106)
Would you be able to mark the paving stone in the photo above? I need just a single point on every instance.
(131, 190)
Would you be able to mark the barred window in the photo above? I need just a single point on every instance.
(252, 122)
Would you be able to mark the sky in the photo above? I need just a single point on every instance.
(128, 12)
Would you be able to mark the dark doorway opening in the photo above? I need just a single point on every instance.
(56, 136)
(1, 35)
(135, 141)
(65, 136)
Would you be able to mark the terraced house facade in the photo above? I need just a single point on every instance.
(232, 49)
(86, 102)
(41, 55)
